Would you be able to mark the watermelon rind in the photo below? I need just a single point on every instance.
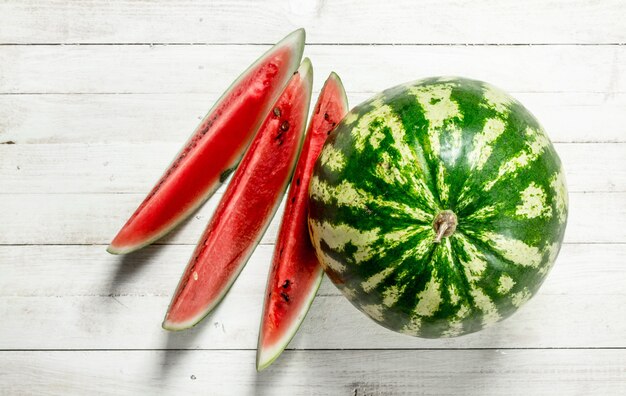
(306, 74)
(294, 40)
(266, 355)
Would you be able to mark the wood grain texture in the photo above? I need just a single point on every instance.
(146, 118)
(372, 21)
(484, 373)
(134, 322)
(133, 168)
(95, 99)
(118, 303)
(363, 68)
(155, 269)
(95, 218)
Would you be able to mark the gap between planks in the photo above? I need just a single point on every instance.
(264, 243)
(134, 291)
(155, 44)
(318, 349)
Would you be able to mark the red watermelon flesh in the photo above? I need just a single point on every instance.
(214, 149)
(295, 274)
(247, 207)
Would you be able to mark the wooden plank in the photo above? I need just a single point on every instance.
(143, 118)
(133, 168)
(125, 322)
(95, 218)
(103, 301)
(406, 21)
(492, 372)
(94, 125)
(210, 68)
(63, 271)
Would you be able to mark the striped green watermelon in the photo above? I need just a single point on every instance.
(438, 207)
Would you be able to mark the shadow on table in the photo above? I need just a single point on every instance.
(376, 371)
(281, 371)
(132, 264)
(264, 381)
(180, 343)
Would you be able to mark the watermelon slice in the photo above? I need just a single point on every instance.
(247, 207)
(296, 274)
(214, 149)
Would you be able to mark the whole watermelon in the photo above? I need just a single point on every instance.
(438, 206)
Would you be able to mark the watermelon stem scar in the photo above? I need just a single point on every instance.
(444, 225)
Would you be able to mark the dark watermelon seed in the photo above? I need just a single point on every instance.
(285, 296)
(224, 175)
(284, 126)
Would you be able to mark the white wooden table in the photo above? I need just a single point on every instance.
(97, 97)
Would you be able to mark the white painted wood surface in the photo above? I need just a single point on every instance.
(341, 21)
(96, 97)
